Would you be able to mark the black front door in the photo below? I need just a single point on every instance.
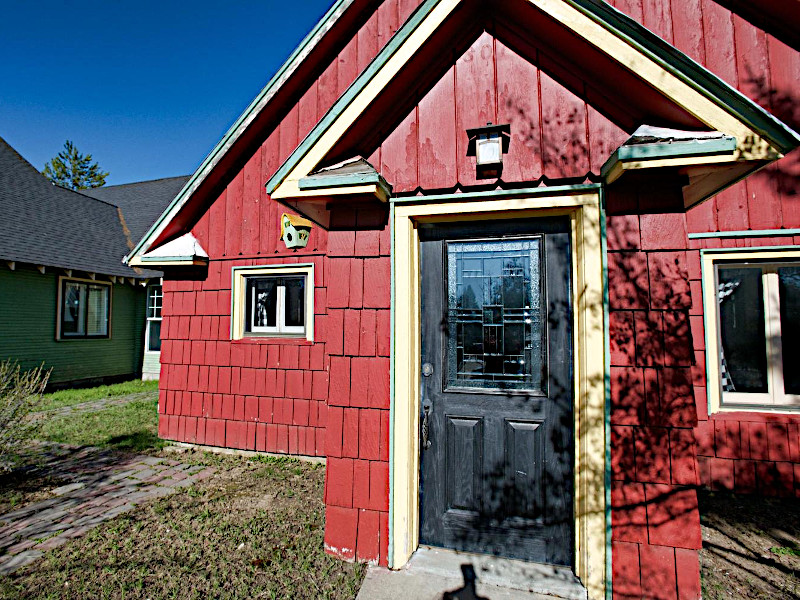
(497, 392)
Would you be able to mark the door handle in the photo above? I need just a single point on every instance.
(426, 411)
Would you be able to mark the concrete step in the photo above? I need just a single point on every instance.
(439, 574)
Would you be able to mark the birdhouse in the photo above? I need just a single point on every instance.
(295, 231)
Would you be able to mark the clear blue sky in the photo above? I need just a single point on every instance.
(147, 87)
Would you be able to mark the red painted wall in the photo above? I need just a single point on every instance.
(745, 452)
(331, 397)
(655, 520)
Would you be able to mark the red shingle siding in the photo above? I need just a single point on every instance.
(653, 453)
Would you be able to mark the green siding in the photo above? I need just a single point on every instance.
(28, 314)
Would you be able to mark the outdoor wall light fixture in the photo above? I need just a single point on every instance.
(488, 144)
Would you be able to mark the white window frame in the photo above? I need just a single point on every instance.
(151, 319)
(60, 336)
(239, 277)
(768, 260)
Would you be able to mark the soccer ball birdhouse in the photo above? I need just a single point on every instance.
(295, 231)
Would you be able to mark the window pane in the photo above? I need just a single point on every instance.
(789, 278)
(495, 314)
(744, 349)
(295, 302)
(154, 336)
(262, 302)
(73, 314)
(154, 297)
(97, 307)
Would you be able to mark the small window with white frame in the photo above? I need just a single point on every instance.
(274, 301)
(752, 306)
(155, 297)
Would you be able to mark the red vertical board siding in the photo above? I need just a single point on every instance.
(687, 23)
(327, 88)
(368, 42)
(268, 210)
(405, 8)
(604, 138)
(307, 112)
(233, 216)
(200, 230)
(288, 134)
(632, 8)
(437, 135)
(658, 18)
(399, 155)
(719, 41)
(785, 70)
(216, 227)
(518, 105)
(252, 197)
(564, 144)
(388, 22)
(475, 99)
(348, 66)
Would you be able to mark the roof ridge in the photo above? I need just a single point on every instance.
(117, 185)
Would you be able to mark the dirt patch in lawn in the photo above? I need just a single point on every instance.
(21, 487)
(253, 530)
(751, 546)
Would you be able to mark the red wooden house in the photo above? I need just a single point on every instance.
(532, 338)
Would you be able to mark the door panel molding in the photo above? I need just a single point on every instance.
(583, 208)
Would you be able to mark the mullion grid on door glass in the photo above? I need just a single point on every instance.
(776, 393)
(492, 313)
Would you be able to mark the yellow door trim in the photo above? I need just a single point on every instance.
(589, 355)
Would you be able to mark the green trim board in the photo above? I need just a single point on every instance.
(745, 234)
(555, 190)
(679, 149)
(317, 182)
(392, 335)
(692, 73)
(253, 109)
(704, 251)
(607, 388)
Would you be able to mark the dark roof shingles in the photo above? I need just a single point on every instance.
(142, 202)
(48, 225)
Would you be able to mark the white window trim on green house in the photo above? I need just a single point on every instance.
(151, 361)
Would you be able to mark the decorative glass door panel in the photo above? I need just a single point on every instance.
(494, 315)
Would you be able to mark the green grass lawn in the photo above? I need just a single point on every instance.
(78, 396)
(253, 530)
(132, 426)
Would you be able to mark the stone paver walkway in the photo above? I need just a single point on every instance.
(100, 485)
(94, 405)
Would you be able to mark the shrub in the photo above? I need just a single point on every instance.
(20, 394)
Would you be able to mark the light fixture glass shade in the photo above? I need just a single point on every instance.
(489, 151)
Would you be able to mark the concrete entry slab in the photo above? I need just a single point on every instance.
(439, 574)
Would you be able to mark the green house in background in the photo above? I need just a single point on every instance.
(66, 299)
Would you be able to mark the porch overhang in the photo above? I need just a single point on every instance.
(184, 251)
(353, 182)
(708, 162)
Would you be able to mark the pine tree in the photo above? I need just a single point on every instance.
(71, 169)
